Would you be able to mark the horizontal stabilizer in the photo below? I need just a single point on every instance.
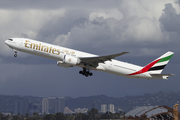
(164, 76)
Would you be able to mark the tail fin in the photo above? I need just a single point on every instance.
(159, 64)
(156, 66)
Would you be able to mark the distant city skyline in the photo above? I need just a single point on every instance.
(31, 104)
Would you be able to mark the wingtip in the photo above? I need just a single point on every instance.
(172, 74)
(126, 52)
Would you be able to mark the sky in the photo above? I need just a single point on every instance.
(145, 28)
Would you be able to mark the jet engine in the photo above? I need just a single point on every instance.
(68, 61)
(71, 60)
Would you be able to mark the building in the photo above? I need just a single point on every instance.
(111, 108)
(45, 105)
(18, 107)
(103, 108)
(81, 110)
(52, 105)
(21, 106)
(151, 113)
(59, 107)
(67, 111)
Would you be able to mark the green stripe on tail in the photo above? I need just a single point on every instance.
(165, 59)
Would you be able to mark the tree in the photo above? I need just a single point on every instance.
(15, 117)
(92, 114)
(70, 117)
(81, 116)
(35, 116)
(48, 117)
(105, 116)
(58, 116)
(27, 115)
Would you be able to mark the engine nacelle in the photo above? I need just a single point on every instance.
(62, 64)
(71, 60)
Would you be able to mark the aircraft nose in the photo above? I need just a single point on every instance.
(6, 42)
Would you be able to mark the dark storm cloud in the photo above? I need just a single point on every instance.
(29, 60)
(93, 36)
(170, 19)
(62, 26)
(54, 4)
(170, 26)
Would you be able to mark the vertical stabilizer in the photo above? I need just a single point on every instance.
(156, 66)
(160, 63)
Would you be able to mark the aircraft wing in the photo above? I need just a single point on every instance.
(93, 61)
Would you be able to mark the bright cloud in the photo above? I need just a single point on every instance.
(112, 13)
(24, 23)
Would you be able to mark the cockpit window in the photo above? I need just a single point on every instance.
(10, 39)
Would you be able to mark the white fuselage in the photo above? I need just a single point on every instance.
(57, 53)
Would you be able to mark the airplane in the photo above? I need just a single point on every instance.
(66, 57)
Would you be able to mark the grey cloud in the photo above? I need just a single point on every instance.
(62, 26)
(29, 60)
(97, 37)
(54, 4)
(170, 19)
(170, 27)
(50, 80)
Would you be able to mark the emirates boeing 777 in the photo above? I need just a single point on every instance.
(66, 57)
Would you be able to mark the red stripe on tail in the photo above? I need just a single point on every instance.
(146, 68)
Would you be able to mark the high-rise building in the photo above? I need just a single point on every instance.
(103, 108)
(21, 106)
(45, 105)
(18, 107)
(111, 108)
(25, 106)
(52, 105)
(59, 107)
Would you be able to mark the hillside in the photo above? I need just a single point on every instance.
(126, 103)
